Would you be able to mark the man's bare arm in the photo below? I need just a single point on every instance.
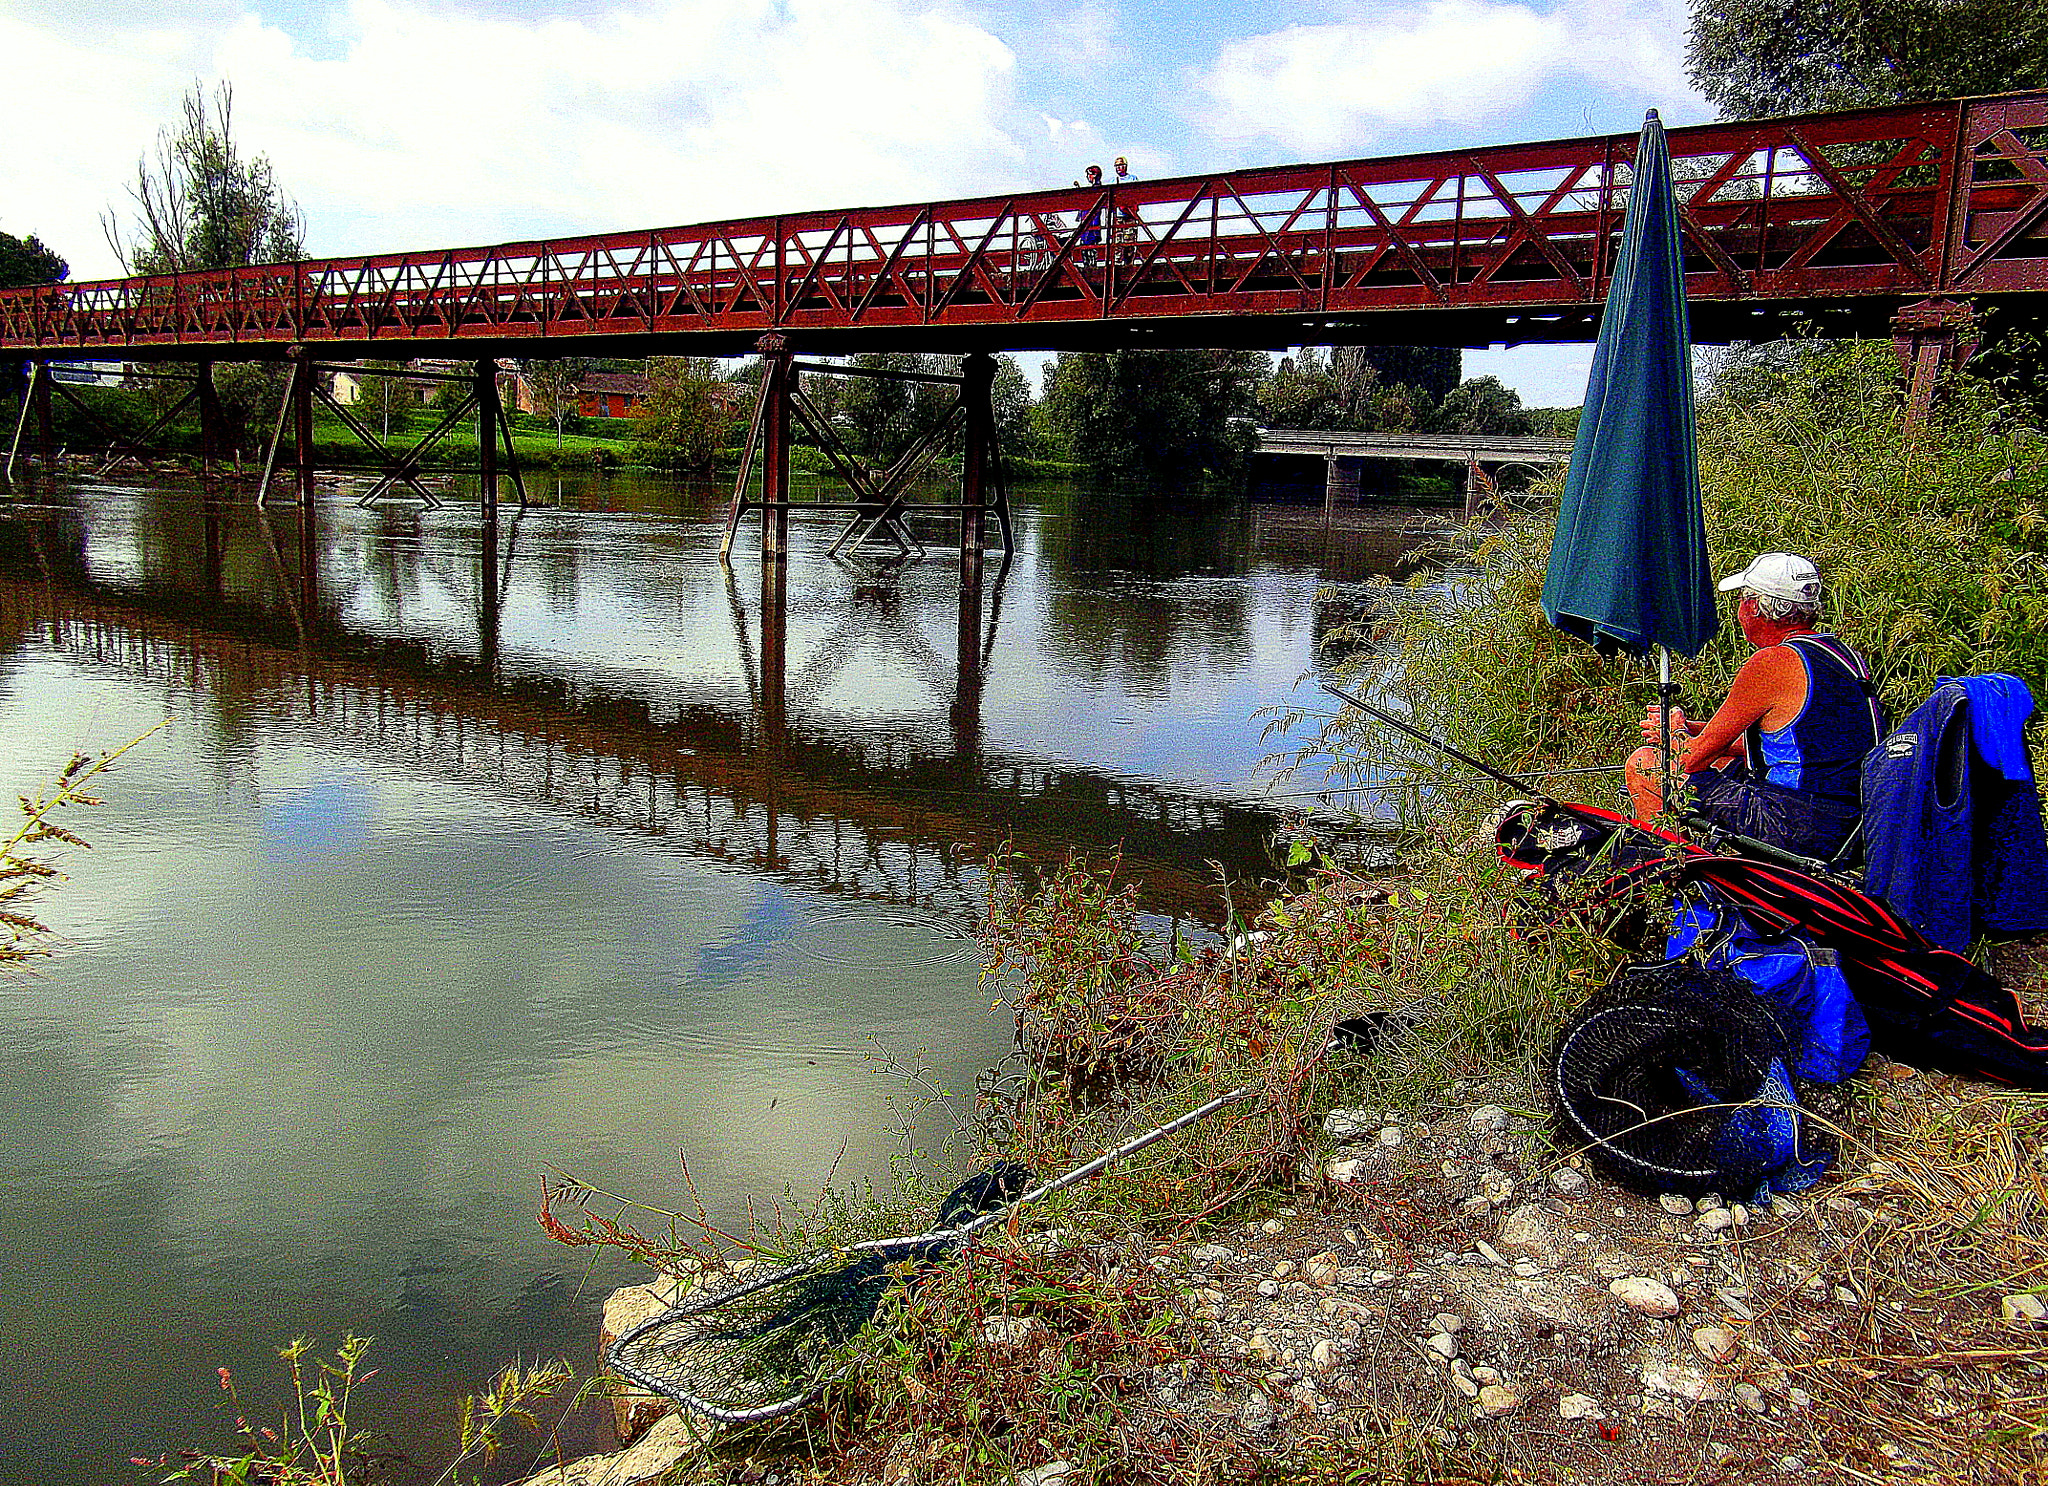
(1770, 679)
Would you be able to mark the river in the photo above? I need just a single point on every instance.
(434, 884)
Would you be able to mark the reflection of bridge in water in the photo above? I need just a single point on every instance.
(866, 818)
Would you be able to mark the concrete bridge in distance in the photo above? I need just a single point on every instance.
(1346, 454)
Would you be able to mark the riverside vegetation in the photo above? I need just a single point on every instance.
(1369, 1272)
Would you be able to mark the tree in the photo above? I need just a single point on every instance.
(1431, 371)
(689, 414)
(1303, 392)
(1483, 405)
(881, 417)
(24, 261)
(1160, 418)
(552, 386)
(1011, 396)
(1759, 58)
(199, 205)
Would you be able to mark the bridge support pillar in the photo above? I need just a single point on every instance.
(977, 465)
(1933, 339)
(778, 382)
(213, 439)
(1340, 482)
(302, 427)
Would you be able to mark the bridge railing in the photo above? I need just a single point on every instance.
(1942, 197)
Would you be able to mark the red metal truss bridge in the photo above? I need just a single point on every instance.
(1848, 218)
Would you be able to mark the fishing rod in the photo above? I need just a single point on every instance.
(1513, 781)
(1748, 845)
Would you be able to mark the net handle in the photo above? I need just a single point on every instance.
(1082, 1173)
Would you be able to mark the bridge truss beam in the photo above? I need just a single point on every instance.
(1848, 217)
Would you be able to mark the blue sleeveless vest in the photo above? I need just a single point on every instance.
(1821, 751)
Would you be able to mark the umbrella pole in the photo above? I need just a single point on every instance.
(1666, 693)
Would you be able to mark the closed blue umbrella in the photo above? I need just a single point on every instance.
(1628, 566)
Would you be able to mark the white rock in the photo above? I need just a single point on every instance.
(1008, 1331)
(1257, 1415)
(1579, 1406)
(1716, 1343)
(1490, 1254)
(1283, 1269)
(1647, 1296)
(1210, 1255)
(667, 1441)
(1672, 1203)
(1463, 1381)
(1269, 1288)
(2024, 1307)
(1714, 1220)
(1845, 1296)
(1391, 1136)
(1496, 1399)
(1751, 1397)
(1055, 1472)
(1341, 1125)
(1489, 1118)
(1323, 1355)
(1447, 1322)
(1344, 1172)
(1272, 1227)
(1567, 1181)
(1445, 1347)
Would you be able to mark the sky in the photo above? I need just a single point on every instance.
(409, 124)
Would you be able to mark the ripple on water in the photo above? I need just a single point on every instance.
(847, 938)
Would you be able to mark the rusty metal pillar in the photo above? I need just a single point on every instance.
(212, 424)
(778, 380)
(977, 463)
(302, 425)
(1933, 339)
(46, 426)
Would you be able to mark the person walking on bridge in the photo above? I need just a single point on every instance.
(1781, 761)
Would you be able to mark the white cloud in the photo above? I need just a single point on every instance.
(431, 127)
(1353, 84)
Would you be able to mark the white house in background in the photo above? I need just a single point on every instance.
(350, 387)
(89, 373)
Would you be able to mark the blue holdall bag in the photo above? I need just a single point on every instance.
(1801, 980)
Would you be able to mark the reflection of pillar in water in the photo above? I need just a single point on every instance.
(966, 714)
(487, 420)
(212, 515)
(774, 682)
(774, 654)
(309, 561)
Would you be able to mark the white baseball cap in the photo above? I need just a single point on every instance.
(1778, 575)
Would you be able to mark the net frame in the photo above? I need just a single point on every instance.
(807, 1313)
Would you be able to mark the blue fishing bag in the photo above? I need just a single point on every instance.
(1802, 981)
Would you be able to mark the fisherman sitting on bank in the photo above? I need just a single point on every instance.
(1782, 760)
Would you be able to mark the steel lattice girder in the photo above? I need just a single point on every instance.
(1882, 206)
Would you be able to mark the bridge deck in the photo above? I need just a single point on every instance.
(1852, 214)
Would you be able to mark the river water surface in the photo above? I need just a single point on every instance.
(434, 884)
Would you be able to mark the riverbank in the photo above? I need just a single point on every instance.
(1442, 1293)
(1384, 1268)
